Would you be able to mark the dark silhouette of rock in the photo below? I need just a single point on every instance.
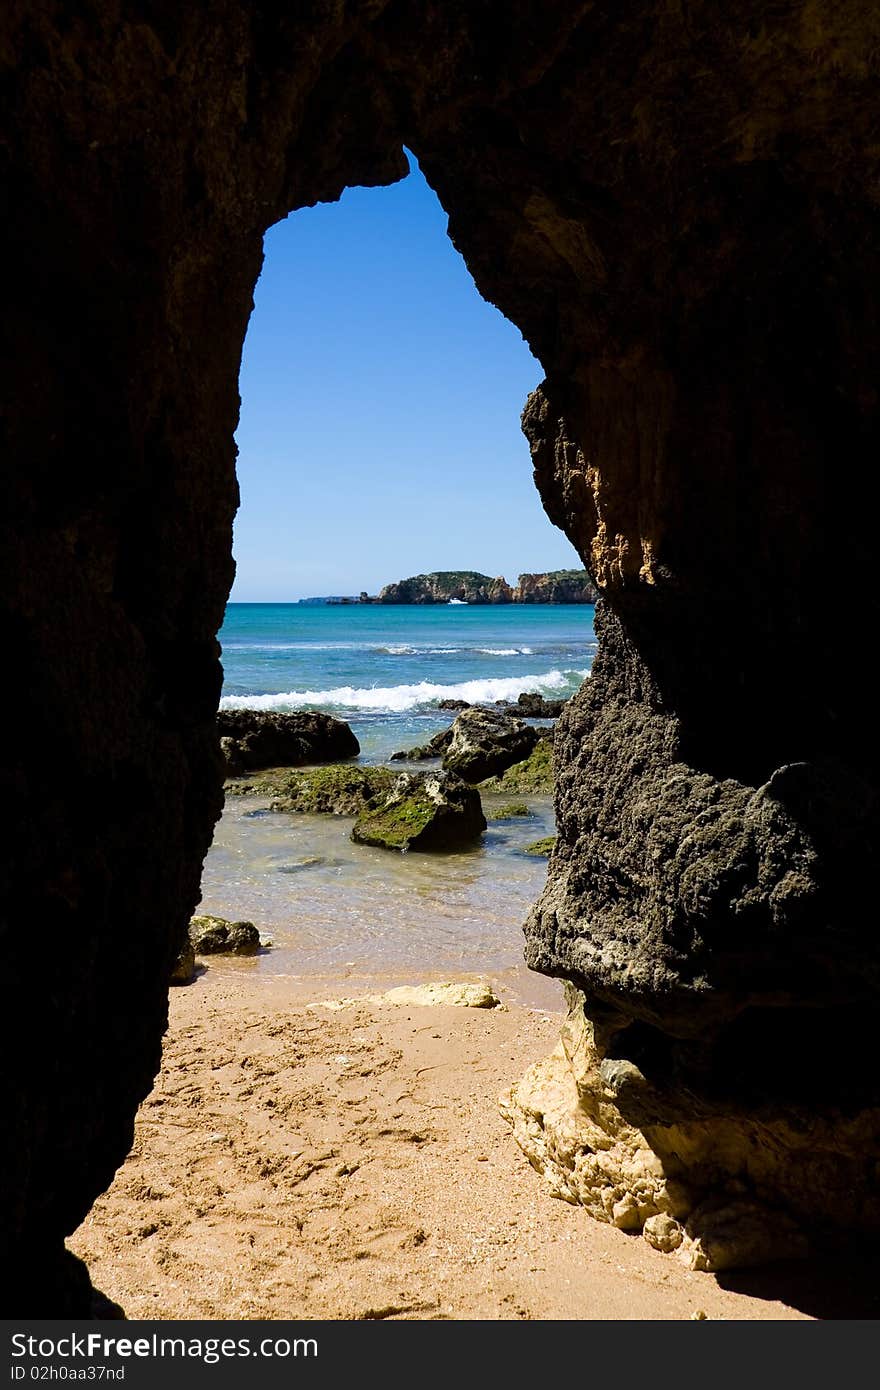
(184, 968)
(453, 704)
(423, 811)
(254, 739)
(484, 742)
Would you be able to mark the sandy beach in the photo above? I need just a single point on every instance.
(296, 1161)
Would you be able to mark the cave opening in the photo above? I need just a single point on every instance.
(379, 438)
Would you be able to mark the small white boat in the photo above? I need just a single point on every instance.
(459, 602)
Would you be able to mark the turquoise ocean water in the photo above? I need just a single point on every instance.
(385, 668)
(344, 918)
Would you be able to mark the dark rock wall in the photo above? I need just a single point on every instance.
(678, 207)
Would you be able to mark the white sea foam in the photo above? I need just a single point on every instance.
(231, 645)
(504, 651)
(395, 699)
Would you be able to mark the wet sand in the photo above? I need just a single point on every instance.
(302, 1162)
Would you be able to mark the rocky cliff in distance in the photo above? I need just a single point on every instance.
(468, 586)
(559, 586)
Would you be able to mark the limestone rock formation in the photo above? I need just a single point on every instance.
(422, 811)
(215, 936)
(484, 742)
(721, 1187)
(466, 586)
(254, 739)
(557, 586)
(469, 586)
(677, 206)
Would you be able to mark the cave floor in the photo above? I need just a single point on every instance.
(297, 1162)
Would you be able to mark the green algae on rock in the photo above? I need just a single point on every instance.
(508, 811)
(540, 848)
(215, 936)
(339, 789)
(533, 774)
(423, 811)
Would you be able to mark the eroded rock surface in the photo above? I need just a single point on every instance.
(422, 811)
(677, 207)
(719, 1185)
(484, 743)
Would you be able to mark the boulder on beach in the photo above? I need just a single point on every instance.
(533, 705)
(214, 936)
(341, 789)
(423, 811)
(253, 739)
(484, 742)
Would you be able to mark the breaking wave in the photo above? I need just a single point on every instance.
(396, 699)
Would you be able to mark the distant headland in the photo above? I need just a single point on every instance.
(468, 586)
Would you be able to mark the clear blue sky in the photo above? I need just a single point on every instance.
(381, 397)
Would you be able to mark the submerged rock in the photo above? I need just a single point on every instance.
(423, 811)
(342, 789)
(485, 742)
(214, 936)
(509, 811)
(541, 848)
(533, 774)
(453, 704)
(253, 739)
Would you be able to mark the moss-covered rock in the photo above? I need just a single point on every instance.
(508, 811)
(423, 811)
(214, 936)
(533, 774)
(541, 848)
(340, 789)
